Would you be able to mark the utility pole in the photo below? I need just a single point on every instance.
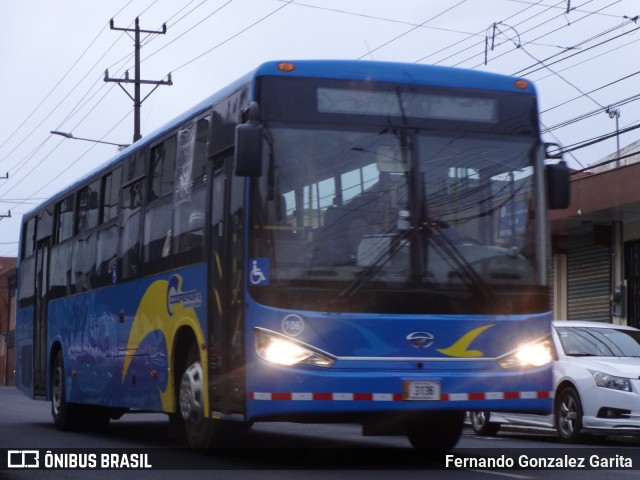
(137, 101)
(615, 113)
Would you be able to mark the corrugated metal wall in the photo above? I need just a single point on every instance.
(589, 274)
(632, 276)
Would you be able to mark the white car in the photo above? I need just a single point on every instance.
(596, 384)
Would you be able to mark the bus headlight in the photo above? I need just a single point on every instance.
(282, 350)
(531, 355)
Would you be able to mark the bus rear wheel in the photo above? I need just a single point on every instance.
(435, 430)
(65, 415)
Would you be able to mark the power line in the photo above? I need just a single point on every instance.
(228, 39)
(539, 37)
(33, 112)
(188, 30)
(33, 153)
(521, 47)
(63, 171)
(594, 140)
(27, 159)
(482, 34)
(559, 142)
(592, 113)
(524, 72)
(58, 83)
(573, 9)
(412, 29)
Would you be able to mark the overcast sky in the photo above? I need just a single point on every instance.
(54, 55)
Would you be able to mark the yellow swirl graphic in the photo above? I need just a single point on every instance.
(460, 348)
(152, 314)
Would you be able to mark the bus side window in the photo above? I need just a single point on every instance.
(190, 191)
(134, 167)
(111, 195)
(61, 252)
(84, 261)
(26, 287)
(107, 248)
(88, 207)
(158, 232)
(131, 211)
(84, 245)
(64, 220)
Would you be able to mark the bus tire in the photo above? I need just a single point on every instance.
(435, 430)
(65, 415)
(201, 432)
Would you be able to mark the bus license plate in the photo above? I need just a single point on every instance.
(421, 390)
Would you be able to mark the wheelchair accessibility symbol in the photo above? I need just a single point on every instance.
(259, 273)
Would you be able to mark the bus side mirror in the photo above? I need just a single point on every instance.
(558, 185)
(248, 151)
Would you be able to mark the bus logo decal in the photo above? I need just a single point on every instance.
(188, 299)
(460, 348)
(420, 339)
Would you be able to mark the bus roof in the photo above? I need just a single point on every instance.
(393, 72)
(372, 71)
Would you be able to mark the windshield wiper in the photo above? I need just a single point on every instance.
(365, 275)
(449, 251)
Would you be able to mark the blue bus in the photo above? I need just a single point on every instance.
(321, 241)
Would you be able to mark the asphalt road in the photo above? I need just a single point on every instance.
(283, 450)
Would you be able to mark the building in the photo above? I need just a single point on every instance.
(7, 320)
(596, 243)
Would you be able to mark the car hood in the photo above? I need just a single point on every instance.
(622, 366)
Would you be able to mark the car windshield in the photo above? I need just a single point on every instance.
(600, 342)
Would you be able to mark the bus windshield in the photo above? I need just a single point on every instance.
(386, 218)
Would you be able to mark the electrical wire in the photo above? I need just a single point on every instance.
(187, 31)
(411, 30)
(55, 87)
(571, 9)
(228, 39)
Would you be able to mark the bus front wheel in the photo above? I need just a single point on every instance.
(191, 394)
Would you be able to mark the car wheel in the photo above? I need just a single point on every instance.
(481, 425)
(568, 415)
(435, 430)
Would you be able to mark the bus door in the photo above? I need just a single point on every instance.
(40, 319)
(226, 353)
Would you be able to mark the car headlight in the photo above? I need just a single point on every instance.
(530, 355)
(282, 350)
(607, 380)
